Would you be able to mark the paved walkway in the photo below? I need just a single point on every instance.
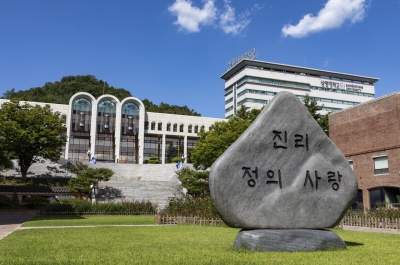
(11, 222)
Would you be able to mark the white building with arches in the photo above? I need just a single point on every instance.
(114, 131)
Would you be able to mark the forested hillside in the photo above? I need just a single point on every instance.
(60, 92)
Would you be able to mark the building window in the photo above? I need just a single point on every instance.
(181, 128)
(160, 126)
(175, 129)
(196, 128)
(146, 125)
(190, 128)
(381, 165)
(153, 125)
(351, 164)
(168, 127)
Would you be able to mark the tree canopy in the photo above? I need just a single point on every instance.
(195, 182)
(213, 143)
(60, 92)
(30, 132)
(312, 105)
(85, 177)
(166, 108)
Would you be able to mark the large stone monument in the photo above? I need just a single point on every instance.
(283, 182)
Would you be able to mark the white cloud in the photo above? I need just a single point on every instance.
(333, 15)
(231, 24)
(190, 17)
(326, 63)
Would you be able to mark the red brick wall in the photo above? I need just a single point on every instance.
(369, 130)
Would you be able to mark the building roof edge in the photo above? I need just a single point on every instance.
(244, 62)
(366, 103)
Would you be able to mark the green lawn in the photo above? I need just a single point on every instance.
(90, 220)
(177, 245)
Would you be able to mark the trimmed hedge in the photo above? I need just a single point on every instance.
(35, 202)
(80, 206)
(189, 206)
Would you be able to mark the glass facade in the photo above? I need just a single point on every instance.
(152, 147)
(173, 148)
(105, 131)
(79, 139)
(129, 152)
(191, 143)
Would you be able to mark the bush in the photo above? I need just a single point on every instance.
(379, 211)
(34, 202)
(189, 206)
(5, 202)
(154, 160)
(15, 200)
(176, 159)
(80, 206)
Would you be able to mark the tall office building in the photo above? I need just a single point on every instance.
(254, 83)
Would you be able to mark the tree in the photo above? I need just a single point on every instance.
(312, 105)
(86, 177)
(31, 132)
(195, 182)
(166, 108)
(60, 92)
(213, 143)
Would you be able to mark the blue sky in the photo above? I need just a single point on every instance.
(174, 51)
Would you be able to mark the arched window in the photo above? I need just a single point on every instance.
(181, 128)
(153, 125)
(106, 113)
(168, 127)
(202, 127)
(160, 126)
(175, 127)
(146, 125)
(190, 128)
(81, 111)
(196, 128)
(130, 118)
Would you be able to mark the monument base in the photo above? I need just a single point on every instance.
(287, 240)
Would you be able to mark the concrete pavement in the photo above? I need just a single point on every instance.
(11, 222)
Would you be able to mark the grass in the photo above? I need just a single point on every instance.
(177, 245)
(90, 220)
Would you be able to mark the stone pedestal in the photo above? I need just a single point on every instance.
(288, 240)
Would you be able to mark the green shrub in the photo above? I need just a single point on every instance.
(380, 211)
(5, 202)
(15, 200)
(34, 202)
(176, 159)
(76, 205)
(189, 206)
(154, 160)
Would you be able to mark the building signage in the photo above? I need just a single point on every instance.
(341, 85)
(248, 55)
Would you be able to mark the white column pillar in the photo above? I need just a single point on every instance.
(163, 149)
(185, 148)
(117, 131)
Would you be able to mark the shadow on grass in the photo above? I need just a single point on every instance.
(353, 244)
